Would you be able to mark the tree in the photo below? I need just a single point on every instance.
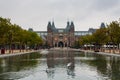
(13, 34)
(114, 33)
(4, 28)
(100, 37)
(86, 40)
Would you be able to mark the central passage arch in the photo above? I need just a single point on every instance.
(60, 44)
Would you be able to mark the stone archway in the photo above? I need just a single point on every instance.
(60, 44)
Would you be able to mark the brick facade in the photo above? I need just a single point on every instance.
(60, 37)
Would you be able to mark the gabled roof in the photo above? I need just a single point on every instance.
(54, 29)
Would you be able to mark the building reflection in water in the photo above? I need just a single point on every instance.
(60, 59)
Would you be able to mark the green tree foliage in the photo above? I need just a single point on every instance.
(14, 34)
(114, 32)
(4, 28)
(88, 39)
(104, 35)
(34, 39)
(100, 36)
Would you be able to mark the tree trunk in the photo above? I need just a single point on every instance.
(10, 48)
(113, 48)
(20, 46)
(109, 49)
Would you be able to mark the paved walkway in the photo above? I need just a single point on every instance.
(106, 52)
(103, 53)
(17, 52)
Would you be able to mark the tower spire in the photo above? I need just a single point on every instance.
(72, 24)
(49, 25)
(53, 25)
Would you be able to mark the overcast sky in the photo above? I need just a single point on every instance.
(36, 13)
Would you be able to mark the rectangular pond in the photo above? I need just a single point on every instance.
(60, 65)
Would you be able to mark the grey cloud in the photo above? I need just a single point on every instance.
(35, 13)
(105, 4)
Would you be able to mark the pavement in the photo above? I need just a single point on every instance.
(106, 52)
(103, 53)
(17, 52)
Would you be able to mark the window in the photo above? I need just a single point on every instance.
(60, 31)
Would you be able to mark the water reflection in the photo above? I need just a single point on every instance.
(60, 65)
(107, 66)
(60, 59)
(9, 66)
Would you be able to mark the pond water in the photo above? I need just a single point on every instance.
(60, 65)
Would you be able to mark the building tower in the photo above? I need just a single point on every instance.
(60, 37)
